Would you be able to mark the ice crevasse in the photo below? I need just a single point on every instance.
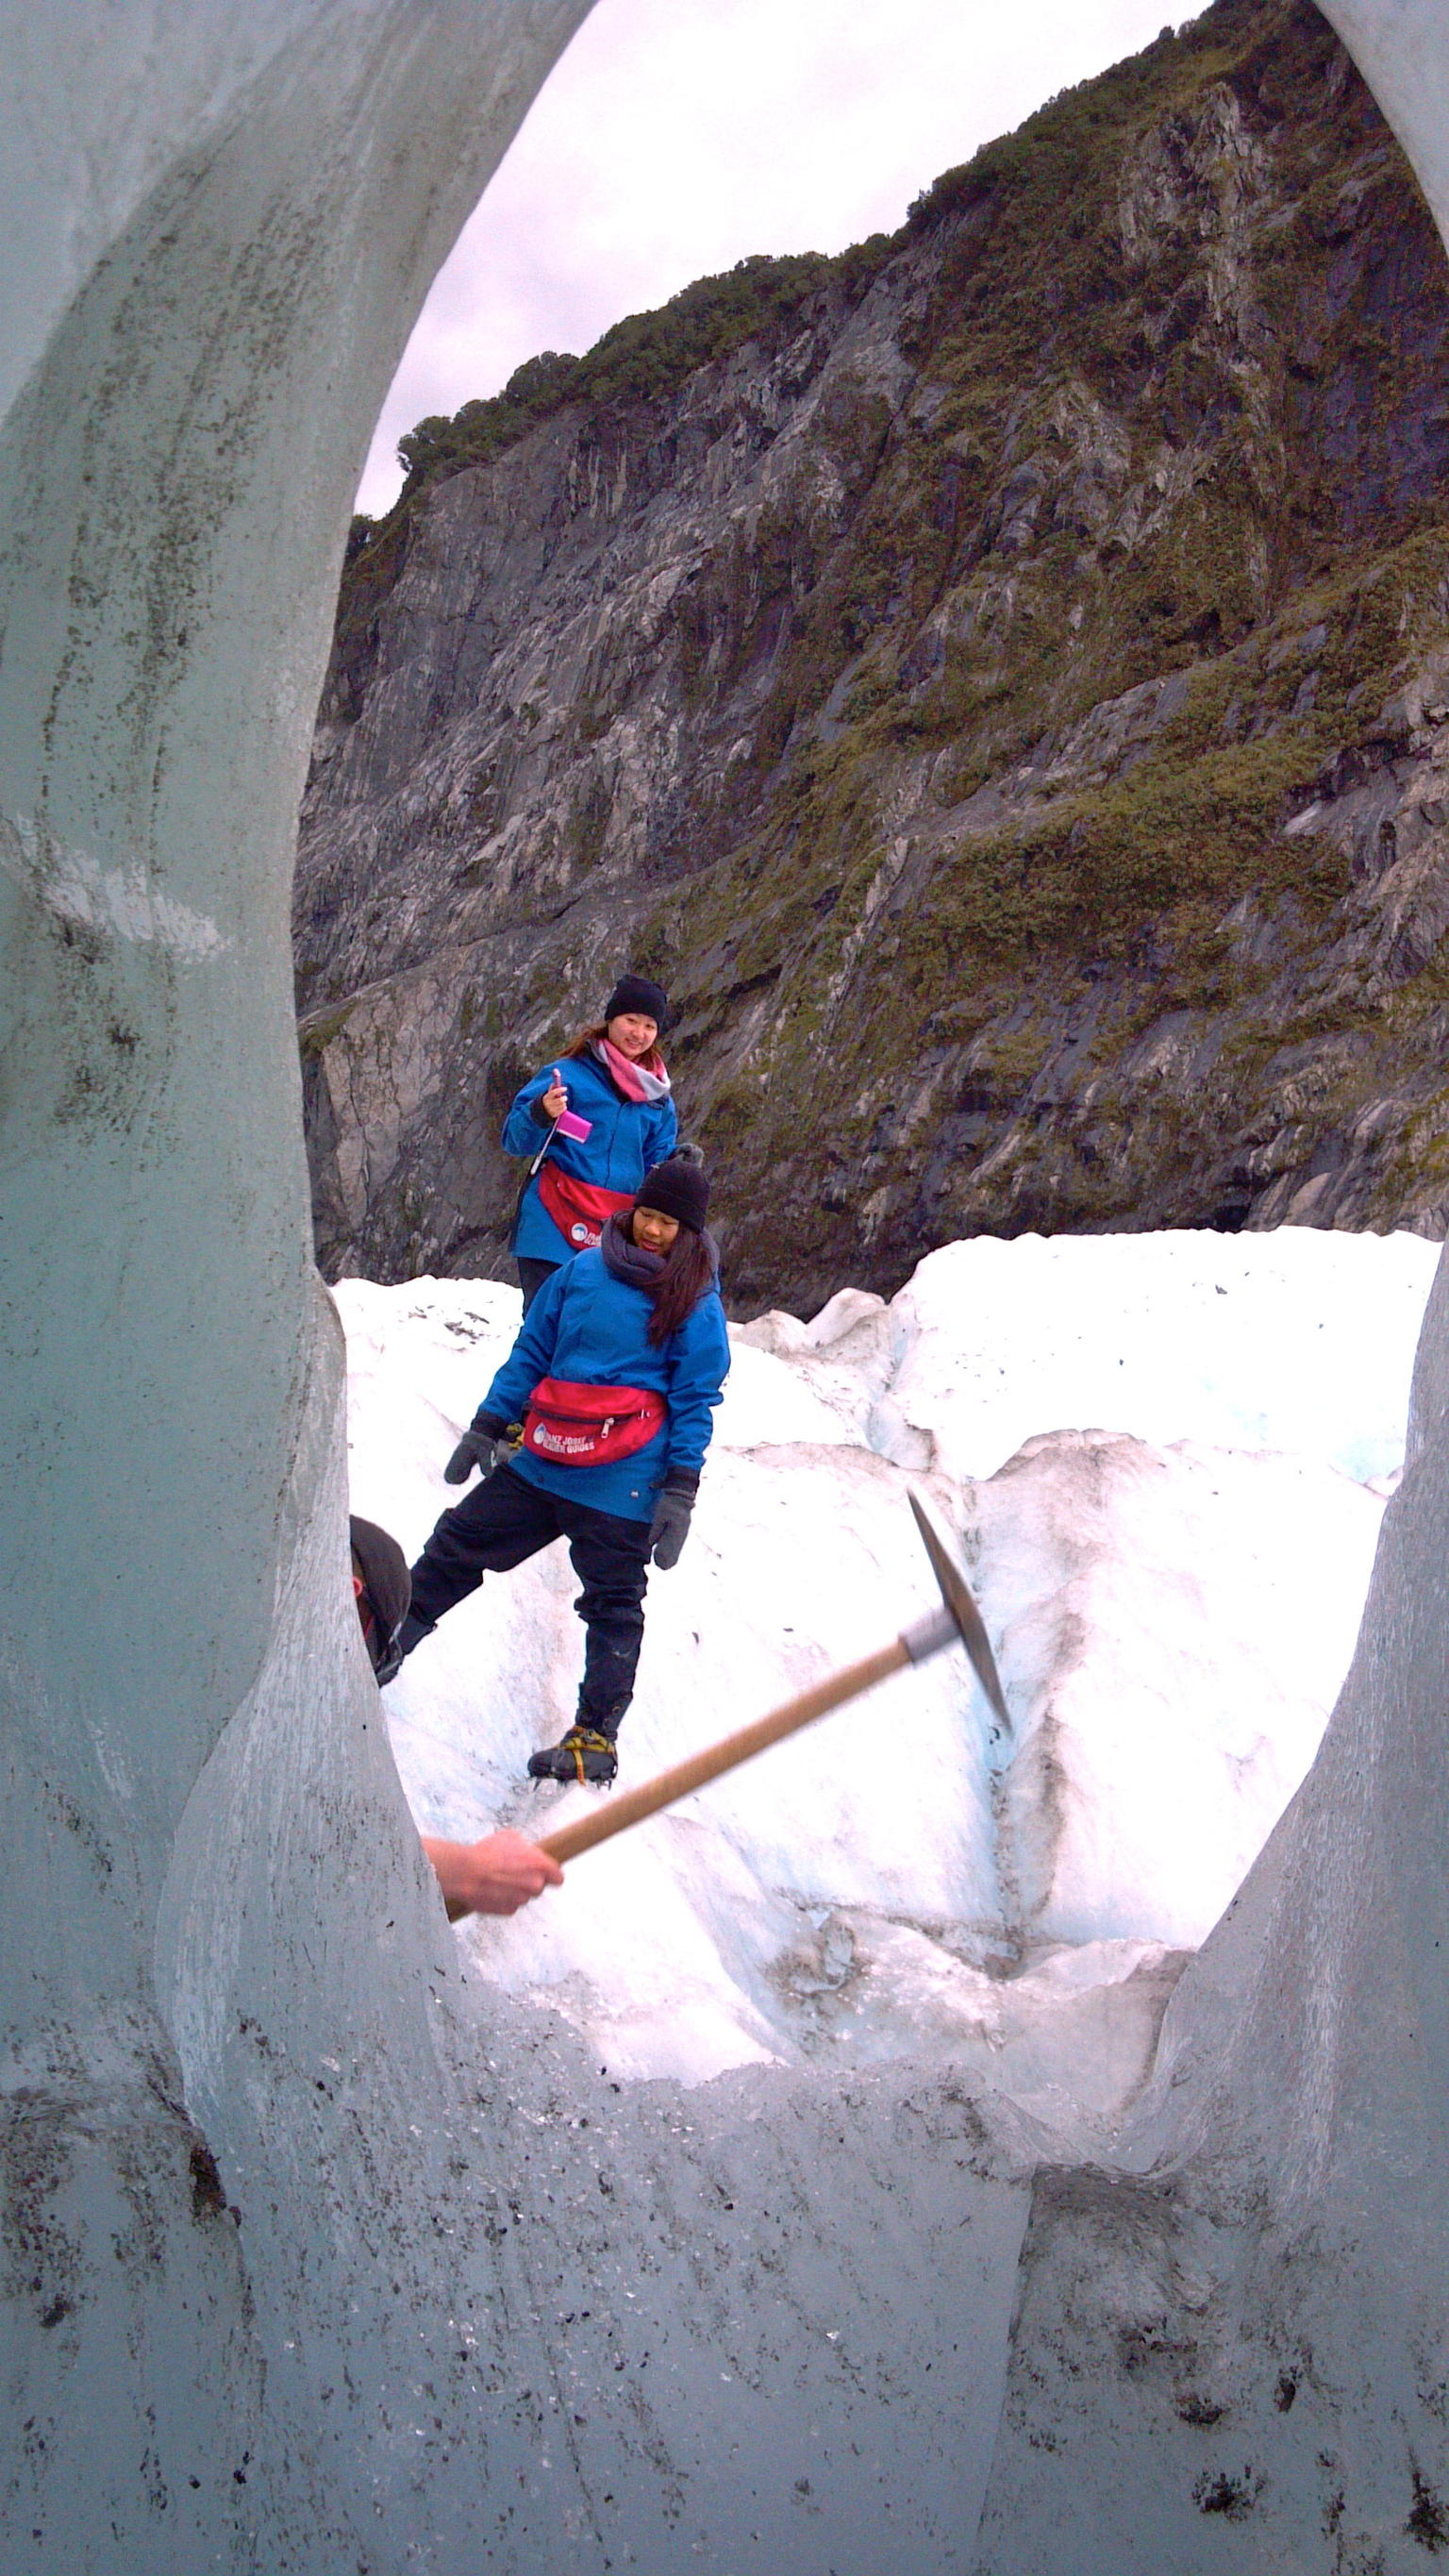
(1174, 1580)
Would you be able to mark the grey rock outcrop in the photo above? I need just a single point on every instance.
(1002, 692)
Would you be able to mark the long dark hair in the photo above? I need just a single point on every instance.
(688, 1275)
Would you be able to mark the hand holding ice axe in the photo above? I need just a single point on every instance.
(957, 1622)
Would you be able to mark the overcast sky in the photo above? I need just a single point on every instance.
(678, 136)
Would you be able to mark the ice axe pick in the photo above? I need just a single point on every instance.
(956, 1622)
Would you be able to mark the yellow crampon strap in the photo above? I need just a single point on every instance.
(581, 1740)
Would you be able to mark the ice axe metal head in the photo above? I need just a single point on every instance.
(961, 1620)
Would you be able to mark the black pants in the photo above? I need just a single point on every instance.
(531, 1276)
(503, 1521)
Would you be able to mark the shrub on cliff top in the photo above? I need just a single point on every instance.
(645, 357)
(439, 446)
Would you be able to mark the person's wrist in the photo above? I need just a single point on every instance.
(480, 1883)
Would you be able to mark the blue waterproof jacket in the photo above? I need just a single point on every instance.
(593, 1329)
(627, 1139)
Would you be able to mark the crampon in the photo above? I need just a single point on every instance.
(584, 1755)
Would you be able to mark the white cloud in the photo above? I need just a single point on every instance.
(672, 141)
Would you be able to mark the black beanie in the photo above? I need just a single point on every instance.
(386, 1580)
(636, 993)
(677, 1188)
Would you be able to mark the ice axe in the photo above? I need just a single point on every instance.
(957, 1622)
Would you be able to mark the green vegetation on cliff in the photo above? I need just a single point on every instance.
(1042, 669)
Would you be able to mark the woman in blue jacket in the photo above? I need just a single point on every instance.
(615, 1375)
(605, 1121)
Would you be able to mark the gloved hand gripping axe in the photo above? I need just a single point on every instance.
(956, 1622)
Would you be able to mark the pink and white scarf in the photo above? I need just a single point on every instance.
(646, 1080)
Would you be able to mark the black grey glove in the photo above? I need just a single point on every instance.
(483, 1444)
(669, 1528)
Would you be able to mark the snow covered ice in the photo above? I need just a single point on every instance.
(1157, 1453)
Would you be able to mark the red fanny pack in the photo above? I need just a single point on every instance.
(579, 1209)
(590, 1426)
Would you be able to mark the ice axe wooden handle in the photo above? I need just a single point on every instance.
(630, 1806)
(958, 1622)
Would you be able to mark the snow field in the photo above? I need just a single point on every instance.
(1297, 1341)
(1173, 1601)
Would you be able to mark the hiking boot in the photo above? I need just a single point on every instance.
(584, 1755)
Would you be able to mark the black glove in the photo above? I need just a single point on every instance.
(669, 1528)
(483, 1443)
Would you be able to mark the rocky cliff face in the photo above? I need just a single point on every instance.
(999, 680)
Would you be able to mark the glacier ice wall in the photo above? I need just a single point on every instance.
(220, 223)
(283, 2288)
